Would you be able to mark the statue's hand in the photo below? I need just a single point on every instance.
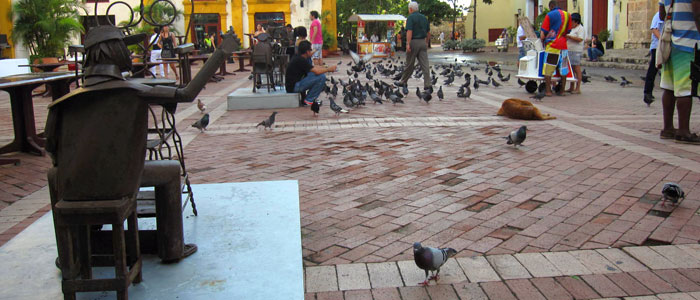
(229, 43)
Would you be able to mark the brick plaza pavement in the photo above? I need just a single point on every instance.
(376, 180)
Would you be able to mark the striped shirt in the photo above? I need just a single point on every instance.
(684, 34)
(555, 26)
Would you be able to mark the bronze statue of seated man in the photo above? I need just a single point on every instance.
(96, 135)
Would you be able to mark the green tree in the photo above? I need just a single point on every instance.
(45, 27)
(435, 10)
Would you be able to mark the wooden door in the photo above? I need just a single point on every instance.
(600, 16)
(563, 4)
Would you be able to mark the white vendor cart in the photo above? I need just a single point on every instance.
(530, 69)
(531, 66)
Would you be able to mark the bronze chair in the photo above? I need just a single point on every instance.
(96, 183)
(263, 64)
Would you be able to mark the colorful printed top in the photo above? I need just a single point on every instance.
(684, 33)
(555, 26)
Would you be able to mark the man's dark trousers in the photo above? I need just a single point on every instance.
(651, 73)
(419, 49)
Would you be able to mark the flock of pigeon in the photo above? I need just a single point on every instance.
(355, 93)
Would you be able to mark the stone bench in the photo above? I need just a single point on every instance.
(244, 98)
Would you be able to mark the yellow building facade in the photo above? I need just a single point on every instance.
(243, 15)
(596, 15)
(6, 27)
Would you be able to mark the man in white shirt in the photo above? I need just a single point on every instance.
(520, 37)
(574, 42)
(442, 38)
(155, 53)
(656, 26)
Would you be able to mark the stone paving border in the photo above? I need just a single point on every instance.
(643, 272)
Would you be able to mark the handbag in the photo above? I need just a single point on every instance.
(663, 50)
(167, 53)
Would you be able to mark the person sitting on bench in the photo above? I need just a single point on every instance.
(302, 76)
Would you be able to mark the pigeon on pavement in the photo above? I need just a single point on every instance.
(201, 106)
(202, 123)
(516, 137)
(336, 108)
(269, 121)
(672, 192)
(538, 96)
(440, 94)
(315, 107)
(610, 79)
(431, 259)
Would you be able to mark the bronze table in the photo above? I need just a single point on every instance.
(20, 89)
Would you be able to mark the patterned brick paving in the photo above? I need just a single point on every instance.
(650, 283)
(382, 177)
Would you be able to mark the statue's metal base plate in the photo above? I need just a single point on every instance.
(244, 98)
(249, 242)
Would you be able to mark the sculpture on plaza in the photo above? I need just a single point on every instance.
(96, 135)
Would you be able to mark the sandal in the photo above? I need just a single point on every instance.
(691, 139)
(189, 250)
(667, 135)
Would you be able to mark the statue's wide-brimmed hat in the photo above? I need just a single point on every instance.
(108, 32)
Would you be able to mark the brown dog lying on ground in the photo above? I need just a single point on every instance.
(522, 110)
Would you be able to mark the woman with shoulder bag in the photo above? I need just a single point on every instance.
(167, 43)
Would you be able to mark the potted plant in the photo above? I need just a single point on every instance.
(45, 27)
(327, 41)
(604, 36)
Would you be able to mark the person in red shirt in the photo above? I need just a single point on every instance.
(554, 28)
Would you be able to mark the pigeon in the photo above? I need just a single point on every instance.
(418, 94)
(585, 79)
(520, 82)
(431, 259)
(538, 96)
(426, 96)
(505, 79)
(672, 192)
(269, 121)
(250, 77)
(360, 61)
(201, 106)
(516, 137)
(336, 108)
(315, 107)
(202, 123)
(464, 92)
(495, 84)
(404, 89)
(624, 81)
(340, 62)
(610, 79)
(476, 85)
(440, 94)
